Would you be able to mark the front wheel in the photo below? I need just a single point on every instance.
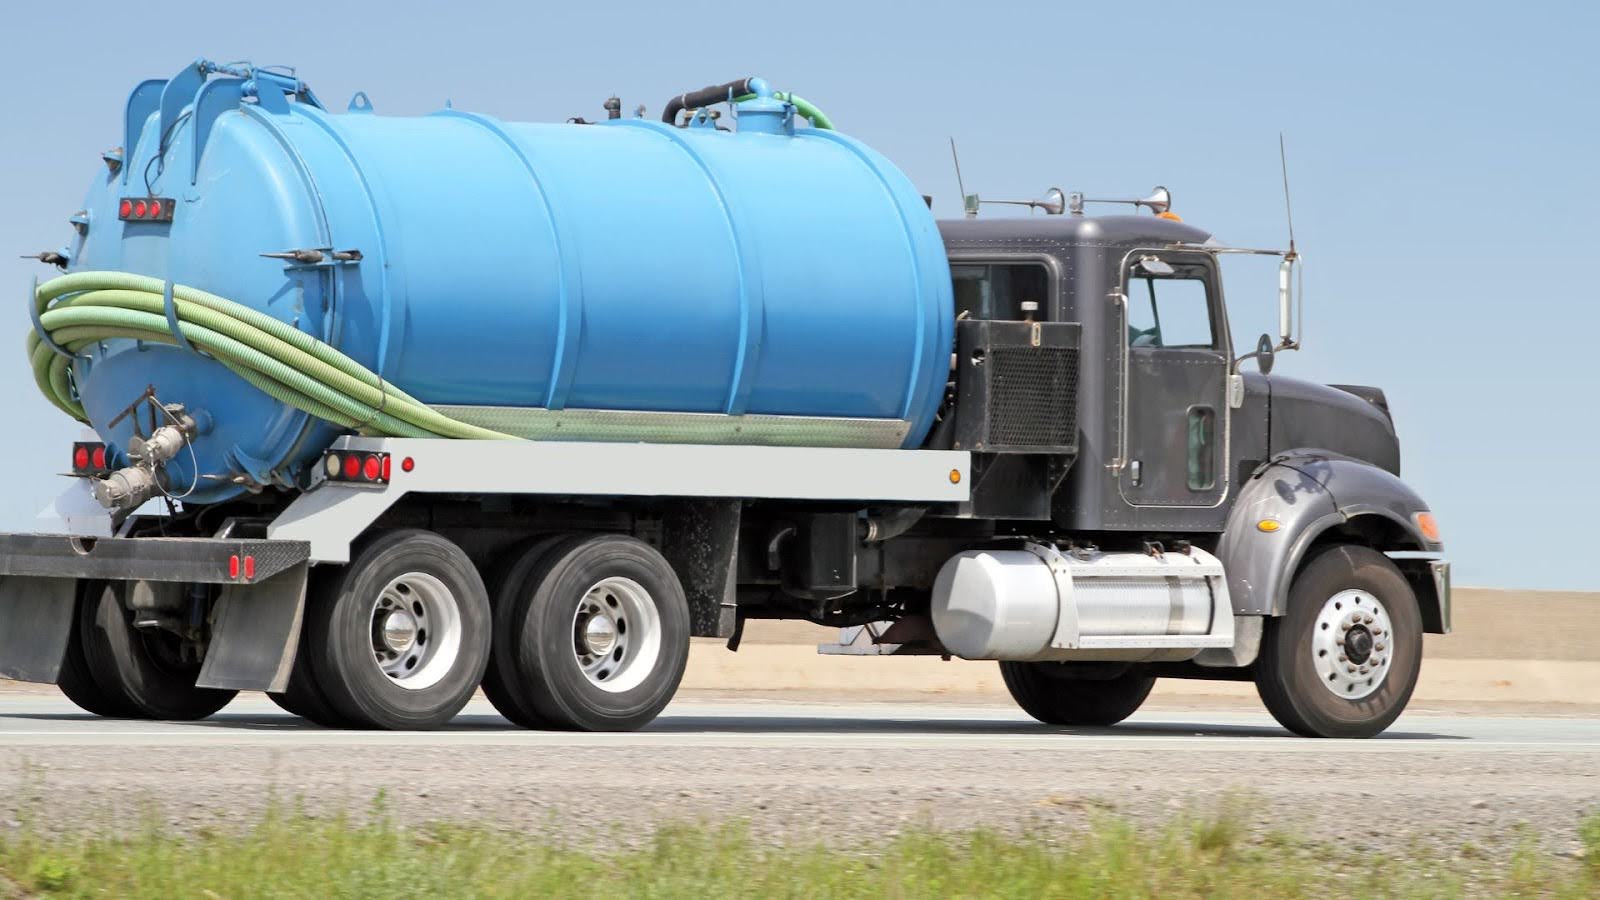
(1056, 694)
(1344, 659)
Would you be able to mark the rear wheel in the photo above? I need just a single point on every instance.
(508, 584)
(76, 680)
(602, 635)
(304, 697)
(1057, 694)
(1344, 659)
(400, 638)
(145, 673)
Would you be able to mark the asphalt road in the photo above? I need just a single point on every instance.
(831, 772)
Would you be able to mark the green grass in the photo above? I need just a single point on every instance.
(289, 854)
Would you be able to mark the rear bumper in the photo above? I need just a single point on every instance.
(253, 625)
(202, 560)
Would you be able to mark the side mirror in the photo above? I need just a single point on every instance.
(1265, 357)
(1286, 302)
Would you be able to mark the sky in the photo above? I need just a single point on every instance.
(1443, 159)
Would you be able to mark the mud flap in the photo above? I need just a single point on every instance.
(36, 618)
(701, 541)
(255, 631)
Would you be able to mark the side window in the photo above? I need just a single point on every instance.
(998, 291)
(1170, 311)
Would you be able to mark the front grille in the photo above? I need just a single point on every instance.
(1033, 396)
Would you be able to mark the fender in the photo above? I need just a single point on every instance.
(1307, 493)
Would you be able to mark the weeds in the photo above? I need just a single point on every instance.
(290, 854)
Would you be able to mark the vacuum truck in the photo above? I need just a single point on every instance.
(382, 410)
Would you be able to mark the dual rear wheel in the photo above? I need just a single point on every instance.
(582, 632)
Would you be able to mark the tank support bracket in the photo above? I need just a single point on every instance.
(38, 324)
(171, 309)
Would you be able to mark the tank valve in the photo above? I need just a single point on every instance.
(127, 489)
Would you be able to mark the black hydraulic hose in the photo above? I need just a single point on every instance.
(716, 93)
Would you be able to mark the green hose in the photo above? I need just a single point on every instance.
(292, 367)
(801, 105)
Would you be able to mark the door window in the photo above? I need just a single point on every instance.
(998, 291)
(1170, 311)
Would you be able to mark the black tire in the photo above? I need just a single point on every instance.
(1056, 695)
(304, 697)
(1287, 677)
(550, 677)
(76, 680)
(508, 583)
(140, 671)
(342, 634)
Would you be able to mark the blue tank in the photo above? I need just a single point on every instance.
(760, 283)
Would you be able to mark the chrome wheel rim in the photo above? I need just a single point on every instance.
(1352, 644)
(616, 634)
(416, 630)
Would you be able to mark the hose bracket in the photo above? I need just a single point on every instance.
(38, 324)
(170, 306)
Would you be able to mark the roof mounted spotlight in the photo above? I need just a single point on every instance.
(1159, 202)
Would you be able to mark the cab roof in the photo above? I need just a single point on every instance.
(1114, 230)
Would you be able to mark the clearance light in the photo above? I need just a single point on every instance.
(955, 476)
(1429, 526)
(1268, 525)
(407, 464)
(145, 209)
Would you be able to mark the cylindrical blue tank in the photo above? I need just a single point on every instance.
(765, 271)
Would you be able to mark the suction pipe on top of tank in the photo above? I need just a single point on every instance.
(739, 91)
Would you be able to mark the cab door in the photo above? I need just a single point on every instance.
(1174, 404)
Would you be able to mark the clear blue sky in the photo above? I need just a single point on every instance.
(1443, 160)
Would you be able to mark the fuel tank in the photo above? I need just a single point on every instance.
(629, 280)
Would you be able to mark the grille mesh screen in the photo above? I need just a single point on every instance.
(1033, 398)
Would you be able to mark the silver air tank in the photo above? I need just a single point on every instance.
(1037, 604)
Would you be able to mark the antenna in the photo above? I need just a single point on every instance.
(969, 202)
(957, 160)
(1288, 208)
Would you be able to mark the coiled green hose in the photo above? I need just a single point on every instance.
(289, 365)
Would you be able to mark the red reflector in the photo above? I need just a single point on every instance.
(126, 209)
(139, 209)
(155, 209)
(99, 457)
(233, 566)
(80, 458)
(249, 567)
(407, 464)
(352, 466)
(372, 468)
(386, 468)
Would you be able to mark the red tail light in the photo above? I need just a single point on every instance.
(358, 467)
(89, 458)
(233, 566)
